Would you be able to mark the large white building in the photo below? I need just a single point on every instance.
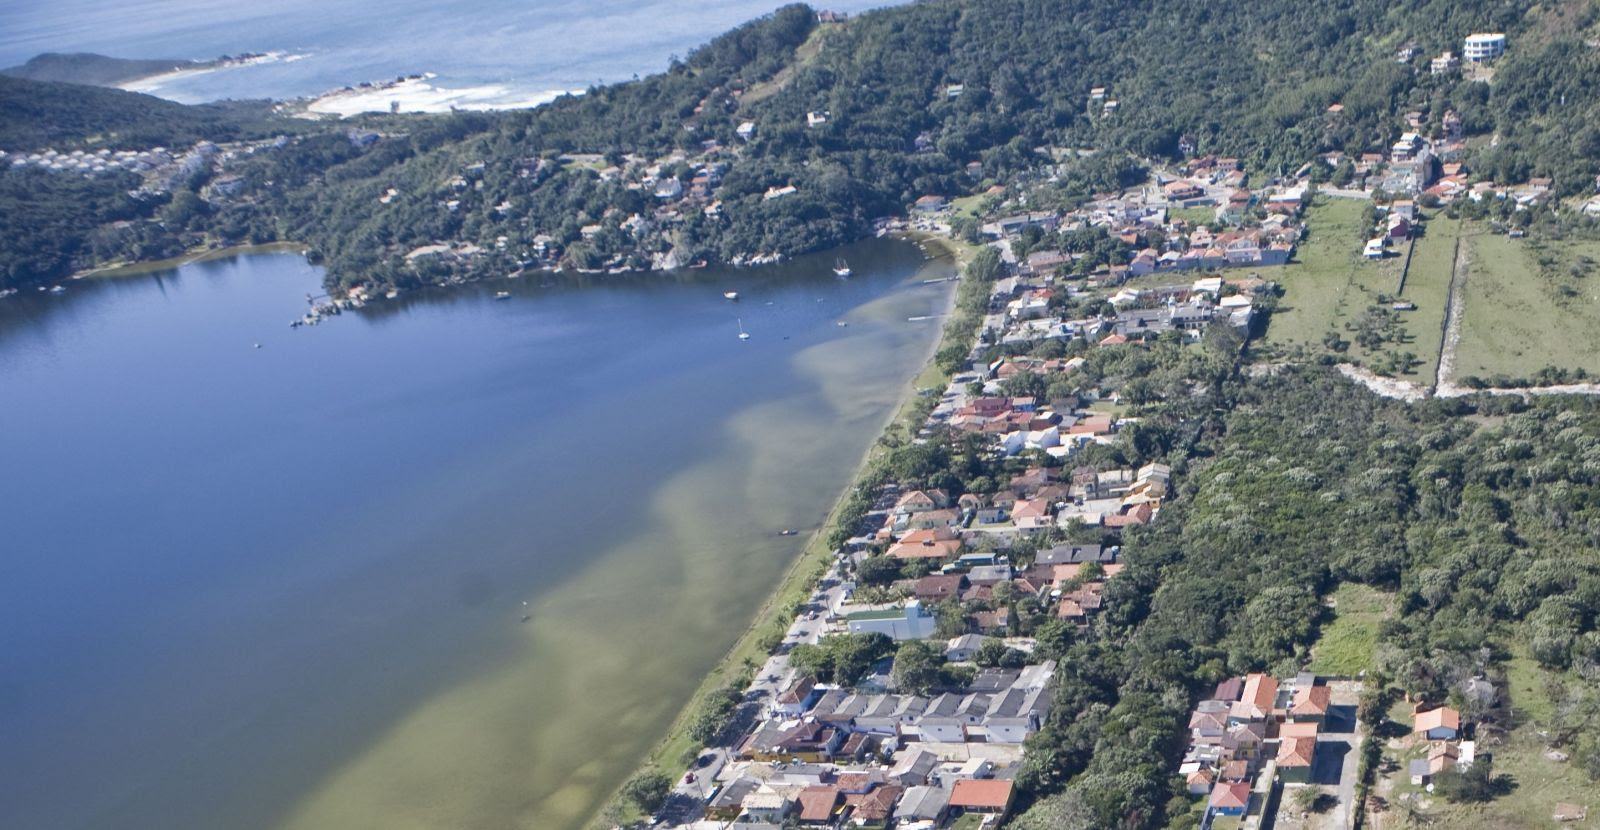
(913, 622)
(1484, 47)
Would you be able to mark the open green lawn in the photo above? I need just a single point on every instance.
(1193, 215)
(1347, 644)
(1538, 782)
(1525, 682)
(967, 205)
(1428, 287)
(1521, 317)
(1316, 282)
(1329, 286)
(968, 821)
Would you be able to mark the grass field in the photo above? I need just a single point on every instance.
(1193, 215)
(1348, 644)
(1315, 284)
(1428, 287)
(1526, 310)
(1537, 783)
(967, 205)
(1330, 285)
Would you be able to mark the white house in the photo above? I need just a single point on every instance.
(1482, 47)
(961, 649)
(913, 622)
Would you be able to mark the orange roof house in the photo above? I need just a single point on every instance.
(873, 807)
(1299, 729)
(1260, 694)
(1230, 799)
(1441, 724)
(816, 804)
(982, 795)
(926, 550)
(1310, 703)
(1296, 752)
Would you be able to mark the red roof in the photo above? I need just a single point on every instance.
(1235, 796)
(1313, 700)
(990, 794)
(816, 803)
(926, 550)
(873, 806)
(1296, 752)
(1432, 719)
(1299, 729)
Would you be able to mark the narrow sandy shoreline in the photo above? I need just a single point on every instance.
(808, 567)
(133, 269)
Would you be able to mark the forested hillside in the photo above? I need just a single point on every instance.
(1479, 516)
(1246, 79)
(88, 68)
(988, 81)
(39, 114)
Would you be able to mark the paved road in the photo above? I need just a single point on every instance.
(1343, 193)
(687, 802)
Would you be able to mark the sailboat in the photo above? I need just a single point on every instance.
(743, 335)
(841, 268)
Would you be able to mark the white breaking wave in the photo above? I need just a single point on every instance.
(420, 95)
(153, 83)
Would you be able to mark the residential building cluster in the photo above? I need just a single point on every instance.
(1252, 734)
(160, 168)
(1437, 734)
(1245, 228)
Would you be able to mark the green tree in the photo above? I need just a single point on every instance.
(916, 667)
(648, 789)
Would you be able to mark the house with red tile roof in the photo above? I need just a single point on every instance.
(1436, 724)
(817, 804)
(937, 587)
(982, 795)
(926, 550)
(872, 808)
(1258, 698)
(1310, 703)
(1031, 514)
(1230, 799)
(1299, 729)
(1295, 756)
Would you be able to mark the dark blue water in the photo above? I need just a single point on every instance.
(230, 572)
(510, 52)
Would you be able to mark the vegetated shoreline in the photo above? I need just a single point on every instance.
(199, 254)
(802, 576)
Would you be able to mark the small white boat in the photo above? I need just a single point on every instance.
(58, 289)
(730, 295)
(841, 268)
(502, 295)
(392, 293)
(743, 335)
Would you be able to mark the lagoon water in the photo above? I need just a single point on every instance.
(485, 53)
(281, 587)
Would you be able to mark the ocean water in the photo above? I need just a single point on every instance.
(483, 54)
(283, 586)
